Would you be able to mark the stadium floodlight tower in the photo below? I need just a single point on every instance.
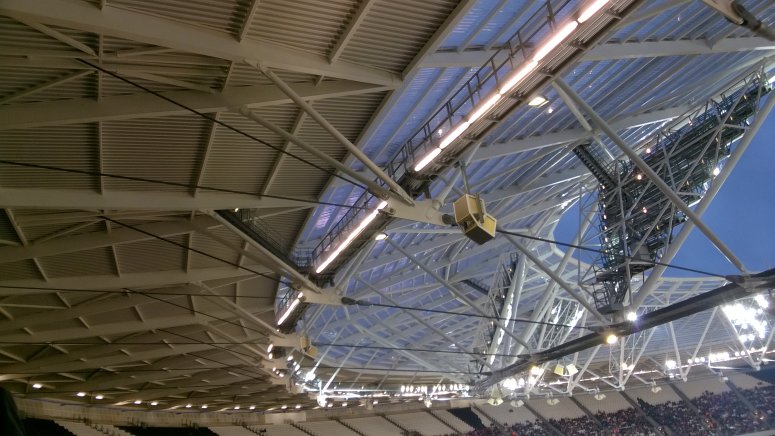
(636, 220)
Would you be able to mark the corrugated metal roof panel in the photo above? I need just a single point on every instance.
(224, 15)
(153, 255)
(310, 25)
(394, 31)
(235, 161)
(166, 148)
(19, 270)
(98, 261)
(71, 146)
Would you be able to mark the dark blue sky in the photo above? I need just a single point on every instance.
(742, 215)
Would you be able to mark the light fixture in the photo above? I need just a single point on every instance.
(380, 236)
(631, 316)
(283, 407)
(517, 403)
(298, 406)
(670, 364)
(572, 370)
(716, 171)
(644, 209)
(538, 101)
(290, 358)
(80, 394)
(236, 209)
(591, 10)
(269, 348)
(204, 406)
(236, 407)
(36, 386)
(516, 77)
(639, 176)
(555, 40)
(599, 397)
(290, 309)
(154, 403)
(496, 401)
(344, 404)
(330, 405)
(536, 370)
(351, 237)
(375, 402)
(138, 402)
(484, 106)
(428, 402)
(454, 134)
(188, 406)
(427, 159)
(611, 339)
(252, 407)
(656, 389)
(559, 370)
(99, 397)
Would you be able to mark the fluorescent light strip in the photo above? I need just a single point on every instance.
(351, 237)
(591, 10)
(454, 134)
(289, 310)
(483, 107)
(512, 81)
(427, 159)
(555, 40)
(517, 77)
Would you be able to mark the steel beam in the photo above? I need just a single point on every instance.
(652, 175)
(144, 105)
(150, 29)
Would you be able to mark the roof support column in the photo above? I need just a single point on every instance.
(453, 289)
(394, 187)
(653, 176)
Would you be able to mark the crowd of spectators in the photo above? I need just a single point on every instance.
(708, 415)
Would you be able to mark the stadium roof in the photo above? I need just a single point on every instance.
(125, 124)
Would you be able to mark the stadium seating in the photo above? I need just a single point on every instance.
(373, 426)
(323, 428)
(44, 427)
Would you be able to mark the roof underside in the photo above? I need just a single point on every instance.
(116, 278)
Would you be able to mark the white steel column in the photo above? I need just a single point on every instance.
(453, 289)
(335, 133)
(653, 176)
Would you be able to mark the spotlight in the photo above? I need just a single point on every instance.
(252, 407)
(611, 339)
(156, 403)
(236, 407)
(538, 101)
(37, 386)
(99, 397)
(298, 406)
(81, 394)
(631, 316)
(572, 370)
(428, 402)
(204, 406)
(188, 406)
(138, 402)
(380, 236)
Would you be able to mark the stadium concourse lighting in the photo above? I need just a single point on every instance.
(288, 311)
(350, 238)
(512, 81)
